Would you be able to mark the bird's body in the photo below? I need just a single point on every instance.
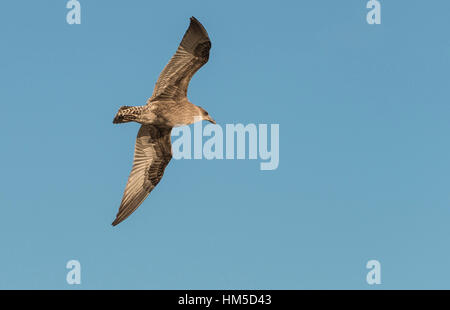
(168, 107)
(166, 113)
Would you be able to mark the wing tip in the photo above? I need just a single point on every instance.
(116, 221)
(199, 26)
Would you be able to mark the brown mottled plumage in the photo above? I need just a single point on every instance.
(168, 107)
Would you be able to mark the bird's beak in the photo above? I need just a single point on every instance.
(211, 120)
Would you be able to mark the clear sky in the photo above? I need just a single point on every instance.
(364, 168)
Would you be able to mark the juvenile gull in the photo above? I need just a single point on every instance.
(168, 107)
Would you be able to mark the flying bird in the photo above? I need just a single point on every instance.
(168, 107)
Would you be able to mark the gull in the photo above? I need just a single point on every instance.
(168, 107)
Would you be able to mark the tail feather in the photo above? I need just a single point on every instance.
(126, 114)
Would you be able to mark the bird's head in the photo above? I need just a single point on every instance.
(205, 116)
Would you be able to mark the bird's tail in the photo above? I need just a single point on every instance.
(127, 114)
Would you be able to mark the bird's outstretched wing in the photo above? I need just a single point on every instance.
(191, 55)
(152, 153)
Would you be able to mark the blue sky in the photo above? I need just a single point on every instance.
(364, 167)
